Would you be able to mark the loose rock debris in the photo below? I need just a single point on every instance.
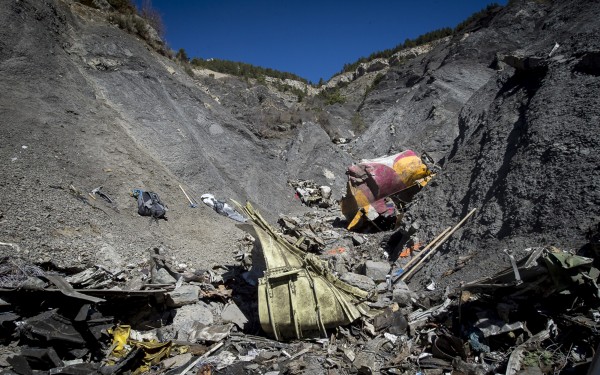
(312, 194)
(311, 298)
(539, 316)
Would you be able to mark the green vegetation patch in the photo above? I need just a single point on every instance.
(241, 69)
(332, 96)
(425, 38)
(358, 124)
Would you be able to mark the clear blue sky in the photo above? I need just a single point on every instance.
(312, 39)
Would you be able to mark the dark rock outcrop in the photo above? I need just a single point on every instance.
(525, 154)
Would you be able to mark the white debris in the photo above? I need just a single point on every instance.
(392, 338)
(556, 45)
(431, 286)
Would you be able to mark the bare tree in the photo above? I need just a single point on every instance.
(153, 17)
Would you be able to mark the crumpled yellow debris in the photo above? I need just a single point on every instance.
(154, 351)
(120, 336)
(298, 295)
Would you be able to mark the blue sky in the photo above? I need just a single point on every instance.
(312, 39)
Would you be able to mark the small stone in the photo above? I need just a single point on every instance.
(232, 314)
(184, 295)
(402, 294)
(382, 287)
(358, 240)
(383, 300)
(360, 281)
(267, 355)
(188, 315)
(162, 276)
(177, 361)
(377, 270)
(32, 283)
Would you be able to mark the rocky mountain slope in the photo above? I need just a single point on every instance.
(523, 153)
(86, 104)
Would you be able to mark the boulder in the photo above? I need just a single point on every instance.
(360, 281)
(187, 316)
(184, 295)
(402, 295)
(376, 270)
(232, 314)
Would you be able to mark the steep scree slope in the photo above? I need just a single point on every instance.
(526, 151)
(86, 104)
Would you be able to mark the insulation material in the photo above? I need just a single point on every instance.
(370, 182)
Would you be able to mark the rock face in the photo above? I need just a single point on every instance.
(523, 154)
(511, 125)
(371, 66)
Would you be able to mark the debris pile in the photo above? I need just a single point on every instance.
(111, 321)
(287, 311)
(539, 315)
(312, 194)
(303, 235)
(322, 232)
(311, 297)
